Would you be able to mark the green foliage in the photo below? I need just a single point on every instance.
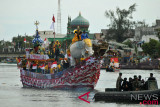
(120, 23)
(158, 49)
(146, 48)
(129, 43)
(136, 50)
(19, 41)
(152, 48)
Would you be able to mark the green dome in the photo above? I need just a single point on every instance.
(80, 21)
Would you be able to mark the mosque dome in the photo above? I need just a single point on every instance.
(80, 21)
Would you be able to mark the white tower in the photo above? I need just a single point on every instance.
(59, 18)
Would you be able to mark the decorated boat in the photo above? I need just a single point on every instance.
(113, 66)
(42, 71)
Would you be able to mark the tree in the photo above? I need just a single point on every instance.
(19, 41)
(129, 43)
(151, 48)
(141, 24)
(146, 48)
(121, 23)
(158, 49)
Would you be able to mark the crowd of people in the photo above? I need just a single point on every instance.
(134, 84)
(43, 67)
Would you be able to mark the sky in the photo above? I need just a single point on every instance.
(18, 16)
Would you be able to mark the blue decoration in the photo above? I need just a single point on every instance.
(37, 39)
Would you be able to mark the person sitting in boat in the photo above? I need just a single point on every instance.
(77, 35)
(151, 77)
(84, 35)
(57, 46)
(51, 71)
(136, 85)
(61, 55)
(125, 85)
(135, 77)
(46, 69)
(130, 88)
(18, 61)
(54, 70)
(139, 78)
(142, 85)
(119, 81)
(59, 67)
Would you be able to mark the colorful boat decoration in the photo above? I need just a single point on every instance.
(84, 75)
(80, 73)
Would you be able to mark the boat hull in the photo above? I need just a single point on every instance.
(76, 77)
(128, 96)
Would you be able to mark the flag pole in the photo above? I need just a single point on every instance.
(26, 40)
(54, 36)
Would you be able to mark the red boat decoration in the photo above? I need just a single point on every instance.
(79, 76)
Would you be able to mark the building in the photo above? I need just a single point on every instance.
(82, 23)
(146, 38)
(71, 26)
(141, 31)
(147, 32)
(157, 27)
(50, 36)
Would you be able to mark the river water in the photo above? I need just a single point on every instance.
(12, 94)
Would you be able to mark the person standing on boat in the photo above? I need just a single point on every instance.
(84, 35)
(151, 77)
(119, 81)
(77, 35)
(24, 61)
(57, 46)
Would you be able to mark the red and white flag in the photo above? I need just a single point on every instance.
(24, 39)
(42, 67)
(45, 40)
(52, 25)
(34, 66)
(54, 64)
